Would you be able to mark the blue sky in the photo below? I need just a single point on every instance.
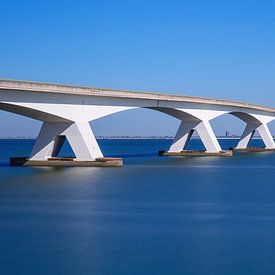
(223, 49)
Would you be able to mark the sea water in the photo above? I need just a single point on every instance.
(154, 215)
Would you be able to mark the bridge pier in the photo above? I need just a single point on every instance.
(52, 136)
(206, 134)
(81, 139)
(248, 134)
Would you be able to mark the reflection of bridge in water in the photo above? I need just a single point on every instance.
(67, 110)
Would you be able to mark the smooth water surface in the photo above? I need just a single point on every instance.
(154, 215)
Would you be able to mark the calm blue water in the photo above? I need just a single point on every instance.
(155, 215)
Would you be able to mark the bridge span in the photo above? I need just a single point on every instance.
(66, 111)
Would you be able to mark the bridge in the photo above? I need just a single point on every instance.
(66, 112)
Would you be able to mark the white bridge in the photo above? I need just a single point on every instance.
(67, 110)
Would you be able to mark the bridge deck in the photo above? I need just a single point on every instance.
(6, 84)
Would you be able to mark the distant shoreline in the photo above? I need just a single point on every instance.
(131, 137)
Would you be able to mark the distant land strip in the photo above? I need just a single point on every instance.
(135, 137)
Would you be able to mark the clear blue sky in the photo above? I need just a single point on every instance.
(223, 49)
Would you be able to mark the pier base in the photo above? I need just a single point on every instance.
(197, 153)
(67, 162)
(253, 149)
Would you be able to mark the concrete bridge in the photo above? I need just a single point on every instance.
(67, 110)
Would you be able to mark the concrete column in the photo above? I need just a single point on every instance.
(83, 141)
(204, 131)
(183, 136)
(79, 135)
(208, 137)
(250, 130)
(58, 143)
(247, 135)
(266, 136)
